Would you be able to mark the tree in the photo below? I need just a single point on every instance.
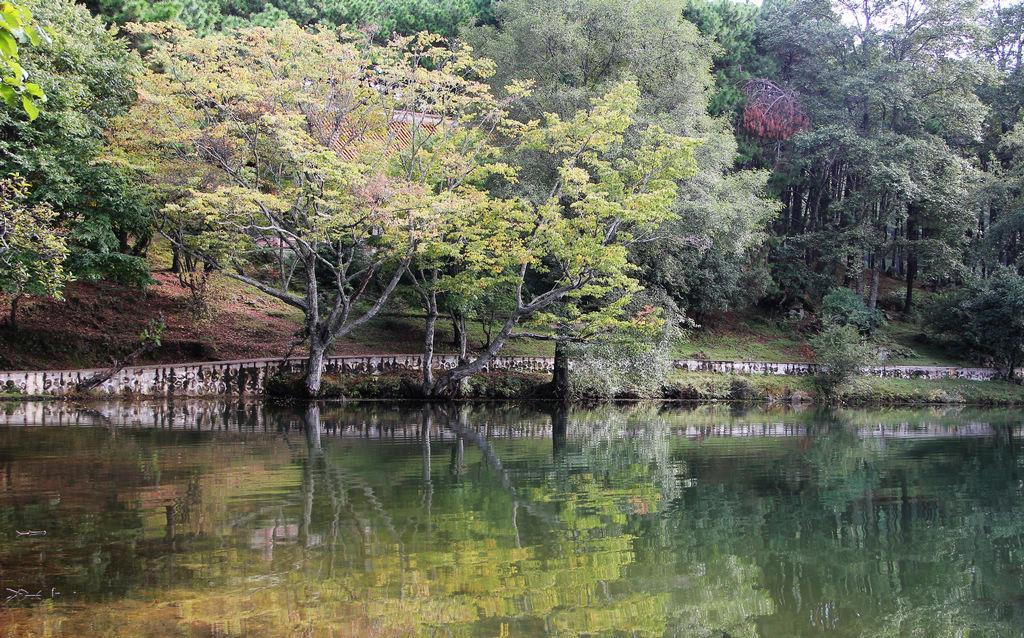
(733, 27)
(18, 27)
(889, 92)
(845, 307)
(999, 225)
(988, 317)
(310, 169)
(705, 258)
(33, 247)
(88, 75)
(615, 367)
(771, 111)
(841, 354)
(1001, 216)
(567, 249)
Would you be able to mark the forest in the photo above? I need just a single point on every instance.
(597, 177)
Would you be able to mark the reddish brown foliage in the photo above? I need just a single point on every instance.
(772, 112)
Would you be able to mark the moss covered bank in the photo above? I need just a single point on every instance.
(681, 386)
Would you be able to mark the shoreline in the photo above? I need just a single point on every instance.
(682, 387)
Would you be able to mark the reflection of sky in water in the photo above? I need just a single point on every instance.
(231, 520)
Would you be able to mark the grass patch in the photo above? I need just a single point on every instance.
(700, 386)
(745, 339)
(396, 330)
(934, 391)
(752, 338)
(918, 349)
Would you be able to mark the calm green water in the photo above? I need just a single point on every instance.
(213, 520)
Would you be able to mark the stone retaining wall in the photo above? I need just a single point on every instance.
(804, 369)
(234, 378)
(248, 377)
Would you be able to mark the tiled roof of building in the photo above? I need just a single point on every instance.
(343, 137)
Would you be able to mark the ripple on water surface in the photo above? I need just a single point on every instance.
(203, 519)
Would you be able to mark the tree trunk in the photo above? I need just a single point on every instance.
(12, 319)
(908, 299)
(876, 273)
(428, 343)
(452, 379)
(860, 275)
(463, 339)
(560, 381)
(142, 245)
(457, 329)
(462, 342)
(315, 367)
(175, 259)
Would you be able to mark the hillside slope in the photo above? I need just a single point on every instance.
(100, 320)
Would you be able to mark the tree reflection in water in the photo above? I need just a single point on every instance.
(382, 521)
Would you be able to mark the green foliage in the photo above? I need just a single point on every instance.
(883, 178)
(1002, 194)
(33, 246)
(573, 51)
(17, 27)
(616, 369)
(845, 307)
(987, 316)
(841, 354)
(706, 258)
(732, 25)
(592, 165)
(382, 18)
(562, 250)
(89, 76)
(153, 334)
(302, 193)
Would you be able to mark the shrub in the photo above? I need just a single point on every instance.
(988, 317)
(612, 369)
(845, 307)
(742, 390)
(841, 353)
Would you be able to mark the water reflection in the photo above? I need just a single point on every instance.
(202, 519)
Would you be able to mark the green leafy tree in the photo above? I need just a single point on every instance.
(380, 19)
(737, 60)
(988, 317)
(616, 367)
(706, 257)
(841, 354)
(33, 247)
(1001, 214)
(88, 75)
(872, 176)
(313, 180)
(564, 252)
(845, 307)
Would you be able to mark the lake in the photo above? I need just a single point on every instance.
(215, 519)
